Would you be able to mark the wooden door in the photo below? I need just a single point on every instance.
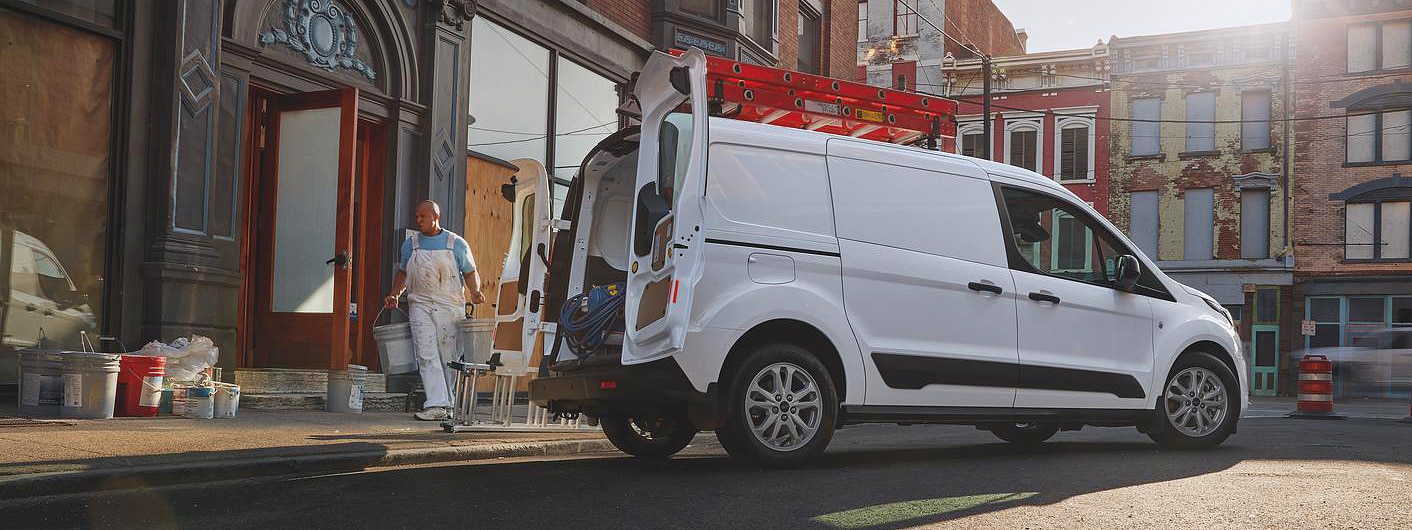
(302, 268)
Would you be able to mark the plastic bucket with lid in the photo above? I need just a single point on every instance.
(41, 383)
(200, 402)
(140, 385)
(345, 389)
(227, 401)
(395, 346)
(90, 385)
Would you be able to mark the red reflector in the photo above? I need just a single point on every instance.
(675, 285)
(607, 385)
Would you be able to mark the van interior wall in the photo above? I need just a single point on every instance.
(489, 224)
(609, 229)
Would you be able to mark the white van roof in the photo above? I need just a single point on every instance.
(725, 128)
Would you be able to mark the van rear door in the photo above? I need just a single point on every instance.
(665, 246)
(520, 296)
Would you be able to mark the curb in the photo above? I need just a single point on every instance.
(64, 482)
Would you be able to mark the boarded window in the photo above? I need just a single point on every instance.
(1255, 120)
(1197, 223)
(1073, 162)
(1396, 135)
(1362, 136)
(1397, 45)
(1024, 148)
(1145, 134)
(1255, 223)
(1200, 115)
(1144, 222)
(1358, 231)
(1362, 48)
(1394, 224)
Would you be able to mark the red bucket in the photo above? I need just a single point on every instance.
(140, 385)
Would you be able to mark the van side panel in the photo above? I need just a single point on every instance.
(922, 254)
(782, 194)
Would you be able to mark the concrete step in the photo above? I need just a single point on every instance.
(294, 381)
(372, 401)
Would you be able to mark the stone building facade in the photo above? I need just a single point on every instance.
(1200, 174)
(1352, 75)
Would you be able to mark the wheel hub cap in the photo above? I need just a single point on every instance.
(783, 406)
(1195, 401)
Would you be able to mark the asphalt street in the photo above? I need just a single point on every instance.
(1276, 473)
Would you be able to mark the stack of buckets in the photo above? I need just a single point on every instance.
(84, 385)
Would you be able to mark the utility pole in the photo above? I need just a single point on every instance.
(985, 107)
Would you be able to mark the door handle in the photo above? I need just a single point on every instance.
(978, 287)
(340, 260)
(534, 302)
(1041, 297)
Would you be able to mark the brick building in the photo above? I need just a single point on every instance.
(898, 48)
(1199, 173)
(1049, 115)
(1354, 63)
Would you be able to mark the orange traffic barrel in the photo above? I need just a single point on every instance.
(1316, 388)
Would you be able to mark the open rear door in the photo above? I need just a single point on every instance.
(520, 295)
(666, 238)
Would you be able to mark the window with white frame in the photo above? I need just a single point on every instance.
(970, 139)
(862, 20)
(904, 19)
(1022, 146)
(1380, 137)
(1374, 47)
(1377, 230)
(1076, 138)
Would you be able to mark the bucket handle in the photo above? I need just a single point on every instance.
(383, 310)
(150, 386)
(84, 343)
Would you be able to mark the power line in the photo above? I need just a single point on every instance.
(542, 136)
(1141, 120)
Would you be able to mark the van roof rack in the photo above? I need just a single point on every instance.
(787, 98)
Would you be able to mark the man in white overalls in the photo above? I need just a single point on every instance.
(435, 269)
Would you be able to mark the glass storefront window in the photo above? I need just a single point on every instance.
(1402, 310)
(586, 112)
(55, 162)
(1366, 310)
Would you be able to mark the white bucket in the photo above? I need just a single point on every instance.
(346, 388)
(227, 401)
(200, 403)
(395, 346)
(178, 400)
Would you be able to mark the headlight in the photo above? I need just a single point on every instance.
(1217, 308)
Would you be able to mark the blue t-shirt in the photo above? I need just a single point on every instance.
(462, 251)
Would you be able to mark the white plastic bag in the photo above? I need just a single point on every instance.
(186, 358)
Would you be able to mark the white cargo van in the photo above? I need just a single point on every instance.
(781, 283)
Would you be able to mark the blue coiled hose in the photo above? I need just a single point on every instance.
(586, 319)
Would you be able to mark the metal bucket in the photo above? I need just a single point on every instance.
(41, 384)
(474, 340)
(90, 385)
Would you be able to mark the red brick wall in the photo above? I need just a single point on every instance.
(633, 15)
(1319, 146)
(841, 38)
(979, 22)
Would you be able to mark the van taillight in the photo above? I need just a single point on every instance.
(607, 385)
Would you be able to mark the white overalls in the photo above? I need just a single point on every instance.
(437, 304)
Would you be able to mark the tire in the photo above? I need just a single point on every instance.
(806, 418)
(658, 438)
(1200, 428)
(1025, 433)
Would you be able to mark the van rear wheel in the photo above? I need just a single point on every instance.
(1025, 433)
(781, 406)
(655, 437)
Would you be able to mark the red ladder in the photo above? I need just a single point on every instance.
(786, 98)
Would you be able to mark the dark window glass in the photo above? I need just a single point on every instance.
(1237, 312)
(1071, 239)
(809, 30)
(1264, 348)
(1325, 336)
(1324, 309)
(1267, 303)
(971, 144)
(705, 8)
(1402, 310)
(100, 12)
(1058, 239)
(1074, 161)
(1023, 149)
(1368, 310)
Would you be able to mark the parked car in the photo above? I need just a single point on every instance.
(780, 283)
(1377, 363)
(40, 301)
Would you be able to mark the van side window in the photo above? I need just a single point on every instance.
(674, 152)
(1056, 238)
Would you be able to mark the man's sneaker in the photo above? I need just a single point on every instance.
(432, 414)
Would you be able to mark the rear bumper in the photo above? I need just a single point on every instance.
(621, 390)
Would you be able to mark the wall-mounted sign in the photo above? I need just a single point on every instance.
(711, 46)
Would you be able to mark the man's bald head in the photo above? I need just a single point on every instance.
(429, 217)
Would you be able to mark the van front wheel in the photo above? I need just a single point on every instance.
(781, 406)
(658, 437)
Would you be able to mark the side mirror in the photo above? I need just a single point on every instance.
(1127, 271)
(651, 208)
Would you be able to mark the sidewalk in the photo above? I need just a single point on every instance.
(62, 456)
(1352, 408)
